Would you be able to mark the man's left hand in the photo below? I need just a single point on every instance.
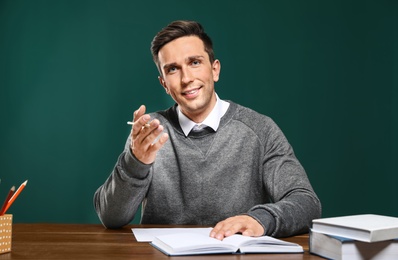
(244, 224)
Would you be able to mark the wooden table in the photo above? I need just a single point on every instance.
(82, 241)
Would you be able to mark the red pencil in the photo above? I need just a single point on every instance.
(10, 193)
(15, 195)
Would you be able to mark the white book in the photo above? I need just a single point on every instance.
(198, 244)
(366, 227)
(340, 248)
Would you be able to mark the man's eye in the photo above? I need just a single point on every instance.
(172, 69)
(195, 62)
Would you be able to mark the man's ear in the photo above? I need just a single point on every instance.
(163, 83)
(216, 68)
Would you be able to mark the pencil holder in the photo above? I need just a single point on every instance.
(5, 233)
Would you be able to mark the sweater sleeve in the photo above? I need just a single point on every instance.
(117, 200)
(293, 201)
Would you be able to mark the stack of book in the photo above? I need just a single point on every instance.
(354, 237)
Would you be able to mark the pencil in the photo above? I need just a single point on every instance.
(10, 193)
(15, 195)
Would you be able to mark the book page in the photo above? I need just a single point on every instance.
(263, 244)
(239, 240)
(192, 243)
(149, 234)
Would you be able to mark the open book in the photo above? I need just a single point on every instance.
(198, 244)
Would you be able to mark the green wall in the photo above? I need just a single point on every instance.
(72, 73)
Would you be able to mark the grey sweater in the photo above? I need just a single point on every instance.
(246, 167)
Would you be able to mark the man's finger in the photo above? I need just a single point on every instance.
(139, 112)
(140, 124)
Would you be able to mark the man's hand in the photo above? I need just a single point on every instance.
(246, 225)
(143, 134)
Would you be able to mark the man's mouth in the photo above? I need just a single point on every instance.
(191, 92)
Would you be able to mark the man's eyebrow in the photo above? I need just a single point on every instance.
(190, 58)
(195, 57)
(166, 66)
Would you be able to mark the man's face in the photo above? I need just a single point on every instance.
(188, 76)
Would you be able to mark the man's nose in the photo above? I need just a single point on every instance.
(186, 75)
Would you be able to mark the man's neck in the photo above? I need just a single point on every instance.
(199, 116)
(212, 120)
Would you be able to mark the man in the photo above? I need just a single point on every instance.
(205, 161)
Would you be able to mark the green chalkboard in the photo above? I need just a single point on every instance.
(72, 73)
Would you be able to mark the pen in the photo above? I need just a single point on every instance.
(10, 193)
(15, 195)
(147, 125)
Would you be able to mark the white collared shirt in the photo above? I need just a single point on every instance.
(212, 120)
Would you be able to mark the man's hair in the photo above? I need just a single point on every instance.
(176, 30)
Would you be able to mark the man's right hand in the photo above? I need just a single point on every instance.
(143, 134)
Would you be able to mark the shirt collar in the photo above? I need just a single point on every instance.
(212, 120)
